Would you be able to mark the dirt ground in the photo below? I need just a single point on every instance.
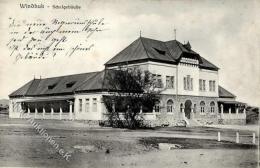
(22, 146)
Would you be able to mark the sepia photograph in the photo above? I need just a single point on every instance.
(130, 84)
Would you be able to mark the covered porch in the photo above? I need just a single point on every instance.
(59, 108)
(232, 110)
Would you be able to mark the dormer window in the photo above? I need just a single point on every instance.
(159, 51)
(70, 84)
(52, 86)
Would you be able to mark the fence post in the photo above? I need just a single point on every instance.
(237, 137)
(219, 136)
(253, 138)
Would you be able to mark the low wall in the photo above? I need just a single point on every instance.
(232, 121)
(207, 119)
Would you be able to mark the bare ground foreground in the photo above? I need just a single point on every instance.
(22, 146)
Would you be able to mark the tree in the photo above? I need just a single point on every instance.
(130, 91)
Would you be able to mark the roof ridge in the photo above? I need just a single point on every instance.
(75, 89)
(172, 57)
(70, 75)
(30, 86)
(152, 39)
(154, 47)
(132, 43)
(144, 47)
(177, 42)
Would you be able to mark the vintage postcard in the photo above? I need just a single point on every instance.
(134, 84)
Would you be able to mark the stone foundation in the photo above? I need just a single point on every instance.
(232, 121)
(159, 123)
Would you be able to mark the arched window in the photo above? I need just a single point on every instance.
(169, 106)
(202, 107)
(157, 106)
(212, 107)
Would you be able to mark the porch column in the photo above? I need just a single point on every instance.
(141, 109)
(52, 112)
(70, 111)
(43, 113)
(244, 112)
(153, 109)
(236, 110)
(36, 112)
(19, 107)
(20, 110)
(192, 113)
(229, 112)
(29, 111)
(221, 110)
(113, 106)
(60, 113)
(183, 114)
(76, 104)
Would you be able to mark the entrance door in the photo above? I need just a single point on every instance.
(187, 108)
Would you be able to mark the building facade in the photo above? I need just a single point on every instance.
(191, 92)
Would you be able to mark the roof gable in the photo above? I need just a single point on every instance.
(145, 49)
(223, 93)
(135, 51)
(22, 90)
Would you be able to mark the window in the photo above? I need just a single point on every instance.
(212, 86)
(185, 82)
(212, 107)
(157, 79)
(80, 105)
(94, 107)
(87, 105)
(159, 51)
(157, 106)
(188, 83)
(169, 81)
(191, 83)
(70, 84)
(202, 107)
(52, 86)
(200, 84)
(169, 106)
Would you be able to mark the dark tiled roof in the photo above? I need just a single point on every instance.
(22, 90)
(144, 49)
(223, 93)
(78, 83)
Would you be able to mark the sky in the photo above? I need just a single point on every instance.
(224, 32)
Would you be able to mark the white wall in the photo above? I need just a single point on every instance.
(183, 71)
(164, 70)
(15, 108)
(209, 75)
(179, 72)
(91, 115)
